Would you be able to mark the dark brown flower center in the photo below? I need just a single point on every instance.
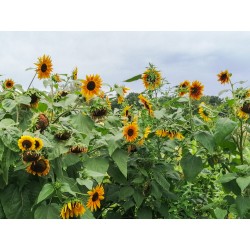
(130, 132)
(8, 84)
(246, 108)
(38, 166)
(44, 68)
(34, 98)
(205, 113)
(30, 156)
(100, 112)
(37, 144)
(146, 105)
(91, 85)
(95, 196)
(195, 90)
(27, 144)
(126, 114)
(223, 77)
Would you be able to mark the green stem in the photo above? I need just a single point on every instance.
(190, 114)
(32, 81)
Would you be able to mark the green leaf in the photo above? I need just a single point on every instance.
(88, 215)
(243, 205)
(158, 114)
(87, 183)
(125, 192)
(120, 157)
(23, 99)
(228, 177)
(47, 190)
(1, 150)
(156, 190)
(144, 213)
(191, 165)
(65, 188)
(135, 78)
(206, 140)
(82, 123)
(243, 182)
(5, 123)
(113, 143)
(51, 211)
(223, 128)
(97, 167)
(138, 198)
(161, 180)
(9, 104)
(220, 213)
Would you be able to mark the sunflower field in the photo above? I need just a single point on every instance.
(80, 148)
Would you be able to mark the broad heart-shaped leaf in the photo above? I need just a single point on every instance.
(120, 157)
(220, 213)
(223, 128)
(23, 99)
(135, 78)
(8, 104)
(243, 205)
(86, 182)
(82, 123)
(138, 197)
(227, 177)
(206, 140)
(243, 182)
(65, 188)
(125, 192)
(5, 123)
(47, 190)
(51, 211)
(98, 166)
(114, 142)
(158, 114)
(191, 165)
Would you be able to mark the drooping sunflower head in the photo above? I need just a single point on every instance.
(59, 95)
(99, 108)
(146, 103)
(26, 142)
(38, 143)
(95, 196)
(63, 135)
(184, 88)
(246, 107)
(91, 86)
(40, 167)
(204, 114)
(120, 99)
(243, 115)
(224, 77)
(72, 209)
(130, 131)
(146, 132)
(30, 156)
(161, 132)
(196, 90)
(8, 84)
(151, 78)
(74, 73)
(56, 78)
(44, 67)
(42, 122)
(126, 110)
(78, 149)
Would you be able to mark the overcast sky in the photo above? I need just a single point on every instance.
(117, 56)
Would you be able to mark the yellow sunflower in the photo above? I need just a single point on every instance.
(146, 104)
(96, 195)
(146, 132)
(72, 209)
(243, 115)
(34, 100)
(179, 136)
(44, 67)
(196, 90)
(91, 86)
(26, 142)
(120, 99)
(126, 111)
(74, 73)
(38, 143)
(130, 131)
(125, 90)
(224, 77)
(203, 113)
(8, 84)
(184, 88)
(161, 132)
(151, 78)
(40, 167)
(141, 142)
(56, 78)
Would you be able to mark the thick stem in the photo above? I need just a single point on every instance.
(190, 114)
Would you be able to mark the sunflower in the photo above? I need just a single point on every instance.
(151, 78)
(40, 167)
(141, 142)
(30, 155)
(161, 132)
(126, 111)
(179, 136)
(72, 209)
(196, 90)
(120, 99)
(184, 88)
(34, 100)
(78, 149)
(203, 113)
(38, 144)
(146, 104)
(99, 113)
(224, 77)
(130, 131)
(42, 122)
(26, 142)
(56, 78)
(96, 195)
(74, 73)
(91, 86)
(243, 115)
(146, 132)
(44, 67)
(8, 84)
(63, 135)
(125, 90)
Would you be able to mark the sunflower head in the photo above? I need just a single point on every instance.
(99, 108)
(203, 112)
(30, 156)
(120, 99)
(184, 88)
(130, 131)
(38, 143)
(146, 132)
(242, 115)
(44, 67)
(63, 135)
(8, 84)
(126, 110)
(26, 142)
(91, 86)
(224, 77)
(125, 90)
(146, 103)
(151, 78)
(74, 73)
(95, 196)
(161, 132)
(60, 94)
(56, 78)
(196, 90)
(72, 209)
(78, 149)
(42, 122)
(40, 167)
